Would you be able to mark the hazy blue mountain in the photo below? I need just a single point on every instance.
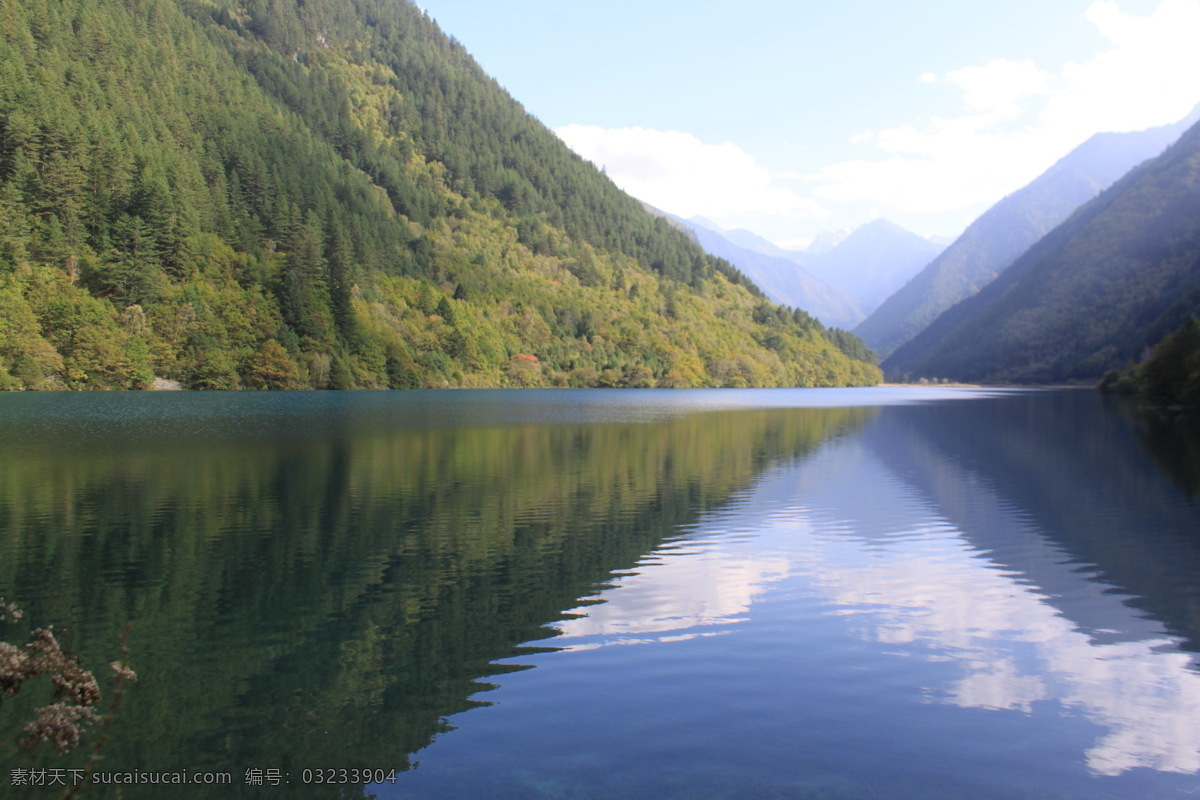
(783, 280)
(704, 222)
(1007, 230)
(827, 240)
(752, 241)
(872, 262)
(867, 264)
(1113, 279)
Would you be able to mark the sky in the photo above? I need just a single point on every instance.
(789, 117)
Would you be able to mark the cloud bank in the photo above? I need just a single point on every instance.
(677, 172)
(1018, 119)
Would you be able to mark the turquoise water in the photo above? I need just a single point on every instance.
(872, 593)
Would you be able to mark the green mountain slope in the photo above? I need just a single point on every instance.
(1114, 279)
(268, 194)
(1006, 230)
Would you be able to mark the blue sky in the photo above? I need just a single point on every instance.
(788, 118)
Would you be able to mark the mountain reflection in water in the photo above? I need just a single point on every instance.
(659, 594)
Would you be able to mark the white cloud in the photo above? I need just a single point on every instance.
(678, 173)
(999, 87)
(1014, 119)
(795, 243)
(1150, 75)
(1018, 118)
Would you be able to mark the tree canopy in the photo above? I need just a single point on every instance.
(268, 194)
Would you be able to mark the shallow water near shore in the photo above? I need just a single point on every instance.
(875, 593)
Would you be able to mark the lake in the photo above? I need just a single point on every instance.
(867, 593)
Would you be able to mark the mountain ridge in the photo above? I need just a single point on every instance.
(1006, 230)
(1110, 282)
(873, 261)
(837, 284)
(783, 280)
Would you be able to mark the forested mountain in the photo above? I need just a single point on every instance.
(1007, 230)
(1096, 292)
(331, 193)
(1170, 377)
(783, 280)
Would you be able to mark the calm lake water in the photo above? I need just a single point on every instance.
(869, 593)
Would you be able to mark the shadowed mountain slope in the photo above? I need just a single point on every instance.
(1092, 295)
(1007, 230)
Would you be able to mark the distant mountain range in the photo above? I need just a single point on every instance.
(1114, 279)
(873, 261)
(1007, 230)
(827, 240)
(1089, 276)
(781, 279)
(840, 282)
(752, 241)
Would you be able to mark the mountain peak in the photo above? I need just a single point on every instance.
(879, 228)
(881, 223)
(825, 241)
(871, 261)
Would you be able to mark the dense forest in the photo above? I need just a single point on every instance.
(332, 194)
(1169, 378)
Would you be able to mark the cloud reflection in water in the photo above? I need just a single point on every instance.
(912, 584)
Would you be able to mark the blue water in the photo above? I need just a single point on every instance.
(884, 593)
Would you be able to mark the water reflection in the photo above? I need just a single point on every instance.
(1172, 439)
(988, 598)
(322, 586)
(937, 598)
(962, 554)
(1030, 504)
(684, 592)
